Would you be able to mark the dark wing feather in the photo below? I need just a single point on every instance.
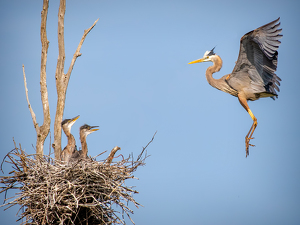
(257, 61)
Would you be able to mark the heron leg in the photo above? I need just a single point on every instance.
(248, 137)
(250, 133)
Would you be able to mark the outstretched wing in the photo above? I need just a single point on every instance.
(257, 61)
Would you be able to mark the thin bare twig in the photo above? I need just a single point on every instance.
(144, 148)
(99, 155)
(49, 147)
(35, 124)
(77, 52)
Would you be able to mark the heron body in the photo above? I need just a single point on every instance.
(71, 145)
(253, 76)
(84, 131)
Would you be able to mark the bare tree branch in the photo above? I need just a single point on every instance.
(77, 52)
(41, 131)
(45, 128)
(35, 124)
(62, 80)
(112, 154)
(59, 74)
(144, 148)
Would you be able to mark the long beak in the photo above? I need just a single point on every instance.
(196, 61)
(75, 118)
(94, 129)
(72, 121)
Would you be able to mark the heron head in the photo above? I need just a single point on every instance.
(87, 129)
(68, 123)
(206, 58)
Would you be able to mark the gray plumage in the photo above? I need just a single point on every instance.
(255, 69)
(253, 76)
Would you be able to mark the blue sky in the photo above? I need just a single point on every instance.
(133, 79)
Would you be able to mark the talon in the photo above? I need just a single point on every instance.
(247, 151)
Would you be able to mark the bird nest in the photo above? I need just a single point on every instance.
(84, 192)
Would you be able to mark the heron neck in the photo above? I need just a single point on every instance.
(217, 65)
(83, 144)
(221, 83)
(71, 139)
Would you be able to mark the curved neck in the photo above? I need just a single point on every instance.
(66, 131)
(217, 65)
(221, 83)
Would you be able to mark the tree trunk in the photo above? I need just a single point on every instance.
(45, 128)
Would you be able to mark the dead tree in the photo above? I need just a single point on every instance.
(61, 79)
(85, 191)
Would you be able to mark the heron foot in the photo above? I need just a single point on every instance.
(247, 140)
(249, 136)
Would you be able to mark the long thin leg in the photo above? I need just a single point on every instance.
(248, 137)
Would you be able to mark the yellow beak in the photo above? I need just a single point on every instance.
(196, 61)
(75, 118)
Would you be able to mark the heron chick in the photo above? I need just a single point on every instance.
(71, 146)
(84, 131)
(253, 76)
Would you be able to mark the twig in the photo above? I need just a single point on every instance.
(49, 147)
(77, 52)
(35, 124)
(99, 155)
(23, 159)
(144, 148)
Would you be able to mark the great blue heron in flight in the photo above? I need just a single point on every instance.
(84, 131)
(253, 76)
(71, 146)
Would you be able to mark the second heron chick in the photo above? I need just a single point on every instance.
(84, 131)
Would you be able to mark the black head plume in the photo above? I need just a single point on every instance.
(211, 52)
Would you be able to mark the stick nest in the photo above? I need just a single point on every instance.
(84, 192)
